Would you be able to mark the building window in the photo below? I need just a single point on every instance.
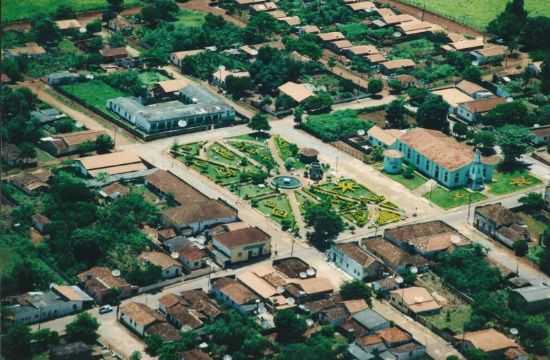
(446, 178)
(457, 177)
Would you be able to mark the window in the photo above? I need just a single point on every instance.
(457, 177)
(417, 159)
(446, 178)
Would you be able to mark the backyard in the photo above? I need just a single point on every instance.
(476, 13)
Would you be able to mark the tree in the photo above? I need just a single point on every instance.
(322, 102)
(259, 122)
(408, 172)
(513, 113)
(472, 73)
(64, 11)
(521, 247)
(326, 223)
(356, 289)
(43, 339)
(395, 114)
(375, 86)
(45, 30)
(155, 12)
(532, 201)
(83, 328)
(153, 344)
(510, 22)
(238, 85)
(432, 114)
(417, 95)
(16, 342)
(104, 144)
(535, 33)
(290, 326)
(545, 76)
(86, 147)
(298, 114)
(395, 85)
(460, 130)
(513, 141)
(64, 125)
(116, 5)
(485, 141)
(136, 355)
(93, 27)
(26, 151)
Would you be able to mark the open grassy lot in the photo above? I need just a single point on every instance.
(151, 77)
(448, 199)
(13, 10)
(476, 13)
(190, 18)
(411, 183)
(509, 182)
(94, 93)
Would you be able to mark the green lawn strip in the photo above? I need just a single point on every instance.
(251, 137)
(452, 318)
(509, 182)
(280, 202)
(250, 191)
(448, 199)
(416, 181)
(285, 152)
(94, 93)
(13, 10)
(190, 18)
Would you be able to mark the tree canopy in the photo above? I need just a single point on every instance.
(83, 328)
(432, 113)
(326, 223)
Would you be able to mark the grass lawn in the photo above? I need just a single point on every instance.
(414, 49)
(458, 316)
(94, 93)
(353, 190)
(190, 18)
(250, 191)
(43, 156)
(509, 182)
(151, 77)
(221, 154)
(449, 199)
(258, 152)
(411, 184)
(271, 205)
(251, 137)
(477, 13)
(13, 10)
(286, 151)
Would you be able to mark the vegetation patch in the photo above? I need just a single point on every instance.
(448, 199)
(94, 93)
(337, 125)
(509, 182)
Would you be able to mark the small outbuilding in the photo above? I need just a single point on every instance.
(308, 155)
(393, 161)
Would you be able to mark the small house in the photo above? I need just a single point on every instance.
(170, 267)
(500, 223)
(355, 261)
(241, 245)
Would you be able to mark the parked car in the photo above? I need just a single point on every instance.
(105, 309)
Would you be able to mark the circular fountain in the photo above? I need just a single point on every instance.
(286, 182)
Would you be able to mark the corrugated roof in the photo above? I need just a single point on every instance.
(298, 92)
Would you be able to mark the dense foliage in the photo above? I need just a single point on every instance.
(335, 126)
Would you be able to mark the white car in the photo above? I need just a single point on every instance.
(105, 309)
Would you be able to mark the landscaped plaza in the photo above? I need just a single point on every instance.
(270, 173)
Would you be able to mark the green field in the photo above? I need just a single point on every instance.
(190, 18)
(476, 13)
(94, 93)
(13, 10)
(449, 199)
(509, 182)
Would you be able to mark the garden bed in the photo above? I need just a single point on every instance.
(276, 207)
(509, 182)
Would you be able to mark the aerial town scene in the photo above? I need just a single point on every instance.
(275, 180)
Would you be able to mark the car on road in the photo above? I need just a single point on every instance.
(105, 309)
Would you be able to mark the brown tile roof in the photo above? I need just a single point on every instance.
(387, 137)
(234, 290)
(167, 233)
(398, 64)
(169, 183)
(417, 299)
(195, 354)
(331, 36)
(541, 131)
(440, 148)
(376, 58)
(114, 52)
(467, 44)
(163, 329)
(199, 301)
(342, 44)
(398, 19)
(68, 24)
(311, 29)
(298, 92)
(394, 335)
(187, 317)
(115, 187)
(356, 253)
(498, 214)
(335, 313)
(192, 253)
(484, 105)
(361, 50)
(142, 314)
(428, 236)
(194, 212)
(392, 255)
(170, 86)
(28, 181)
(453, 96)
(105, 162)
(30, 48)
(492, 51)
(291, 20)
(242, 237)
(104, 277)
(469, 87)
(169, 300)
(488, 340)
(277, 14)
(369, 340)
(355, 306)
(160, 259)
(362, 5)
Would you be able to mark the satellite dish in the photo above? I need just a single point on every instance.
(399, 280)
(455, 239)
(514, 331)
(361, 132)
(203, 345)
(291, 301)
(280, 289)
(174, 255)
(182, 123)
(303, 275)
(413, 270)
(310, 272)
(115, 273)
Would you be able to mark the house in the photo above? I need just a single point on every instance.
(415, 300)
(331, 36)
(193, 257)
(116, 163)
(165, 234)
(178, 314)
(169, 88)
(535, 68)
(410, 350)
(220, 76)
(291, 20)
(200, 110)
(394, 336)
(40, 223)
(363, 50)
(371, 320)
(340, 45)
(12, 156)
(540, 135)
(235, 295)
(355, 261)
(195, 354)
(416, 27)
(444, 159)
(62, 78)
(30, 49)
(265, 288)
(407, 81)
(138, 316)
(393, 256)
(99, 282)
(4, 78)
(38, 306)
(249, 51)
(114, 191)
(386, 138)
(370, 344)
(427, 239)
(31, 183)
(170, 267)
(119, 24)
(453, 96)
(112, 54)
(309, 289)
(241, 245)
(392, 66)
(297, 92)
(68, 25)
(164, 330)
(69, 143)
(473, 90)
(366, 6)
(472, 111)
(267, 6)
(490, 341)
(47, 116)
(464, 45)
(500, 223)
(376, 58)
(71, 351)
(177, 57)
(308, 29)
(333, 315)
(490, 54)
(534, 298)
